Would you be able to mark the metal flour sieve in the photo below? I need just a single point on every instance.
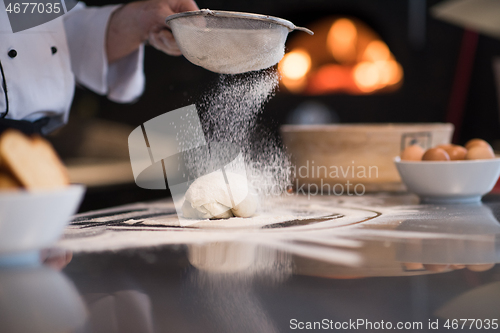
(231, 42)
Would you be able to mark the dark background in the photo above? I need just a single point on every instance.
(429, 66)
(173, 82)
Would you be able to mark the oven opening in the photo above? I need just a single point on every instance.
(345, 55)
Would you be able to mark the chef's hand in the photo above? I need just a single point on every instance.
(141, 21)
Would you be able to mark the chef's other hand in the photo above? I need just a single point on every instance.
(141, 21)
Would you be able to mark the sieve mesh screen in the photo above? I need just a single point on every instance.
(230, 45)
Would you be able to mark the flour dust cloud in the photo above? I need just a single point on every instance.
(230, 112)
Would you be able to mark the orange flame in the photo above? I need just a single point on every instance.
(356, 61)
(342, 39)
(293, 68)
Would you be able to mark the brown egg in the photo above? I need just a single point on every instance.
(436, 154)
(412, 153)
(456, 152)
(413, 266)
(436, 268)
(480, 153)
(445, 146)
(480, 267)
(476, 142)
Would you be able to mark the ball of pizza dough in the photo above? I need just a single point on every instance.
(208, 197)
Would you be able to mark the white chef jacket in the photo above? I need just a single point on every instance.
(41, 83)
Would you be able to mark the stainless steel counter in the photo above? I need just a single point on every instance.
(371, 263)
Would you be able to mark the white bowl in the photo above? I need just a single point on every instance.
(449, 181)
(32, 220)
(39, 299)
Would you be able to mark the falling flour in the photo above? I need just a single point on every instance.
(230, 113)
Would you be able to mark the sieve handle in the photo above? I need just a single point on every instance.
(304, 29)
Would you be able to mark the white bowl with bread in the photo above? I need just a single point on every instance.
(449, 173)
(36, 199)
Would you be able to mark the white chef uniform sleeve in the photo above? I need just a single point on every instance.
(123, 80)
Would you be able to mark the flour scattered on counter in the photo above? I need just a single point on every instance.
(296, 227)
